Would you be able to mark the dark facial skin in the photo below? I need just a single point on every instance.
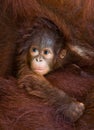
(44, 54)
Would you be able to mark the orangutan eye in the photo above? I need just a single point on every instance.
(46, 52)
(34, 51)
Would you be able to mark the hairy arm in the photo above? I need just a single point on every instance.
(64, 105)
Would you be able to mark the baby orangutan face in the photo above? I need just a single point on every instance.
(41, 60)
(43, 53)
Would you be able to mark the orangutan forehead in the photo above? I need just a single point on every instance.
(44, 40)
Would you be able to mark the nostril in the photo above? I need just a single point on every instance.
(38, 60)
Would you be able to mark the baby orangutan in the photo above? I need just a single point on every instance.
(41, 51)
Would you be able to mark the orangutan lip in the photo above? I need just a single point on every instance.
(40, 69)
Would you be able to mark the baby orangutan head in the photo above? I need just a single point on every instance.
(46, 49)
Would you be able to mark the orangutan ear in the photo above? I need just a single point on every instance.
(63, 53)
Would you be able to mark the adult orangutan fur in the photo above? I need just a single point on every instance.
(75, 19)
(20, 111)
